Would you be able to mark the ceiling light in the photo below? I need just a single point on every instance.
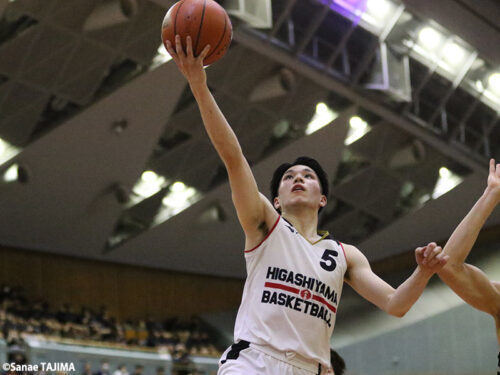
(357, 129)
(179, 197)
(444, 172)
(7, 151)
(453, 53)
(373, 15)
(494, 82)
(323, 116)
(357, 123)
(429, 38)
(379, 9)
(162, 56)
(163, 53)
(321, 109)
(11, 174)
(354, 6)
(447, 181)
(149, 184)
(178, 187)
(149, 176)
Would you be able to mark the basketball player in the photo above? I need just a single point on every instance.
(467, 281)
(294, 273)
(338, 363)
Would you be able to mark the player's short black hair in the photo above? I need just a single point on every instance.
(302, 160)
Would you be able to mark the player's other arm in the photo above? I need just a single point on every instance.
(398, 301)
(474, 287)
(467, 281)
(255, 213)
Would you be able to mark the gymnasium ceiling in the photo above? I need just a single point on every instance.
(90, 108)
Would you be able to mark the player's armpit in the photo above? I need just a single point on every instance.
(473, 286)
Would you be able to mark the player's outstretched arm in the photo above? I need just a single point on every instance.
(469, 282)
(254, 211)
(463, 238)
(474, 287)
(398, 301)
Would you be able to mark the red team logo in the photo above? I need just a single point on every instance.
(305, 294)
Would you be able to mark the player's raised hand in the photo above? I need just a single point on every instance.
(494, 179)
(431, 258)
(190, 66)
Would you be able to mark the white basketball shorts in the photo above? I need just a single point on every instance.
(244, 358)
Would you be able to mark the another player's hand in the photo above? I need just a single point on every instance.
(494, 180)
(189, 65)
(431, 258)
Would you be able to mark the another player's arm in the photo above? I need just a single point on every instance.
(255, 213)
(398, 301)
(467, 281)
(474, 287)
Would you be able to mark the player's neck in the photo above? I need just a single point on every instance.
(305, 221)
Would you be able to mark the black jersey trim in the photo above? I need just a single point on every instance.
(234, 353)
(325, 235)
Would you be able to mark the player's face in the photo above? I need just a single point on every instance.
(300, 186)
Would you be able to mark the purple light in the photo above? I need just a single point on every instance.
(352, 9)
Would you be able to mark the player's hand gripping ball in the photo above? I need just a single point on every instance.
(205, 21)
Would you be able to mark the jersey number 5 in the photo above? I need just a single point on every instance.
(328, 263)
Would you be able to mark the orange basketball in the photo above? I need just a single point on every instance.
(205, 21)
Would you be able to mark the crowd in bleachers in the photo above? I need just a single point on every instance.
(20, 317)
(122, 369)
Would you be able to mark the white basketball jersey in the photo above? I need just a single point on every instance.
(291, 293)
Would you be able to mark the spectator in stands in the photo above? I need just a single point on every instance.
(121, 370)
(153, 325)
(104, 370)
(142, 333)
(65, 314)
(160, 370)
(154, 339)
(182, 363)
(130, 333)
(87, 369)
(138, 370)
(195, 323)
(13, 338)
(18, 357)
(171, 340)
(19, 317)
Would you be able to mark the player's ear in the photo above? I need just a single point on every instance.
(276, 203)
(323, 201)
